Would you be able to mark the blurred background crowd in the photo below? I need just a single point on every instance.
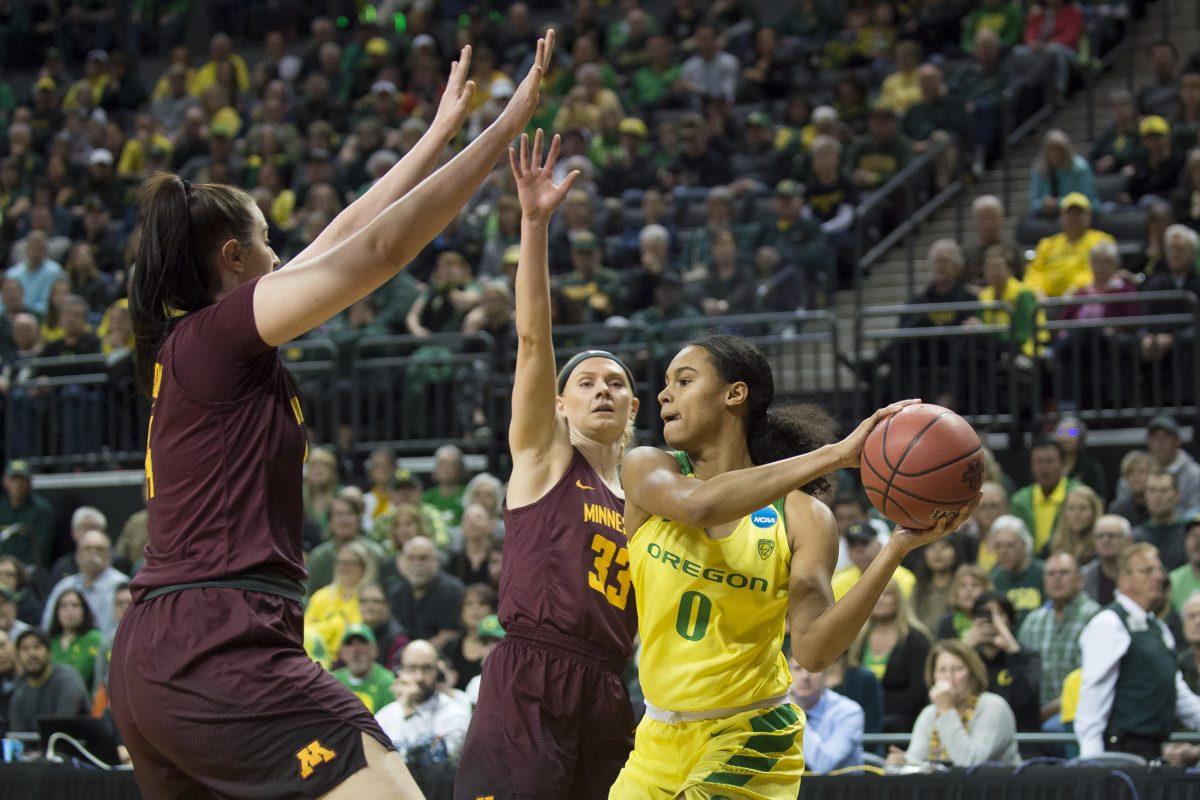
(726, 152)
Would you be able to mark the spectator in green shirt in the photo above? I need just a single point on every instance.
(446, 494)
(19, 504)
(369, 680)
(1017, 574)
(593, 287)
(1119, 144)
(1000, 16)
(935, 118)
(659, 83)
(879, 155)
(1185, 580)
(74, 638)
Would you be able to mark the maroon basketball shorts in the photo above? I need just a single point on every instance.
(214, 696)
(553, 722)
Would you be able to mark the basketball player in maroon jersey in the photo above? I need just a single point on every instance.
(554, 718)
(211, 688)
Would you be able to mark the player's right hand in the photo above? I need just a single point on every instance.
(524, 101)
(850, 448)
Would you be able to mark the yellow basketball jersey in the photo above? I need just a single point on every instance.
(711, 613)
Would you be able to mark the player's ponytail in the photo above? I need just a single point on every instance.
(182, 228)
(772, 432)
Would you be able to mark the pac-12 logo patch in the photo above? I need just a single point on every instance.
(765, 548)
(764, 517)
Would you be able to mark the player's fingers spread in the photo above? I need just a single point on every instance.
(550, 37)
(468, 91)
(552, 156)
(464, 60)
(537, 148)
(512, 162)
(566, 184)
(524, 153)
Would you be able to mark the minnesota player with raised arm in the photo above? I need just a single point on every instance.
(554, 718)
(211, 688)
(729, 550)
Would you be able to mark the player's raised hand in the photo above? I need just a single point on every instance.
(524, 101)
(456, 99)
(850, 448)
(539, 195)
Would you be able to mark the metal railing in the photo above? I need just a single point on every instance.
(1099, 368)
(74, 412)
(1096, 368)
(894, 208)
(1026, 105)
(407, 392)
(976, 369)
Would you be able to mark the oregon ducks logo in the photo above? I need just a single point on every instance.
(765, 548)
(313, 755)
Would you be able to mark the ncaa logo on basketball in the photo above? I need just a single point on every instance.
(764, 517)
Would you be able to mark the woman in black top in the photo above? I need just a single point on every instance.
(466, 652)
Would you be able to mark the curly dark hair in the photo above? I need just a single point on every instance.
(772, 432)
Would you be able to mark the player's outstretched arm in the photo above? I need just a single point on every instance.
(654, 485)
(293, 301)
(821, 629)
(532, 432)
(409, 171)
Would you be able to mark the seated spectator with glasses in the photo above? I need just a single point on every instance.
(426, 726)
(1132, 692)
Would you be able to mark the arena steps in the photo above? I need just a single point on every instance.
(889, 281)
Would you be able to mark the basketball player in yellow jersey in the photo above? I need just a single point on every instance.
(725, 556)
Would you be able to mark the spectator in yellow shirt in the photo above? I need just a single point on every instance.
(220, 50)
(1060, 265)
(902, 89)
(862, 545)
(333, 607)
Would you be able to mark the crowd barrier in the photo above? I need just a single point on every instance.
(410, 393)
(1095, 367)
(43, 781)
(414, 393)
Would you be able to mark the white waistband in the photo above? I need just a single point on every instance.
(675, 717)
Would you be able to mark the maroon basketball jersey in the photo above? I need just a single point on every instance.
(565, 563)
(224, 455)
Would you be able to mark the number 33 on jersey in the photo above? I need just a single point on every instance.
(610, 570)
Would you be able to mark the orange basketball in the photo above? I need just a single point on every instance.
(922, 464)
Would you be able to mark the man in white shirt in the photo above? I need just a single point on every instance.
(96, 580)
(427, 727)
(711, 72)
(1132, 691)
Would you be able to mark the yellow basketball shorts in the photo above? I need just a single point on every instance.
(754, 755)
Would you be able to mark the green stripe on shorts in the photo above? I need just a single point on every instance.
(728, 779)
(756, 763)
(771, 743)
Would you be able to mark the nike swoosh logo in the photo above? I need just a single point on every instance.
(581, 485)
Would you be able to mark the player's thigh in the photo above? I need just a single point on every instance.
(384, 777)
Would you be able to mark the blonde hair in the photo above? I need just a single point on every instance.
(906, 622)
(370, 568)
(1082, 546)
